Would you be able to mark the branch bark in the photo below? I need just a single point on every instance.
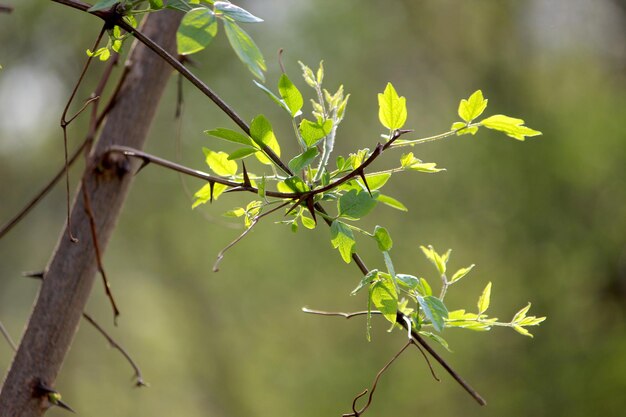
(70, 273)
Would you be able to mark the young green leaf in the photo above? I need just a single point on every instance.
(245, 48)
(376, 181)
(473, 107)
(391, 202)
(391, 108)
(230, 135)
(423, 288)
(461, 273)
(367, 279)
(342, 239)
(273, 96)
(354, 204)
(307, 222)
(219, 162)
(385, 299)
(241, 153)
(196, 31)
(434, 310)
(235, 12)
(436, 338)
(303, 160)
(435, 258)
(511, 126)
(463, 129)
(290, 95)
(180, 5)
(483, 300)
(409, 281)
(156, 4)
(312, 132)
(262, 134)
(296, 184)
(208, 192)
(382, 238)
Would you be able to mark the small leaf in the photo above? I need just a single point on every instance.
(245, 48)
(262, 134)
(241, 153)
(354, 205)
(273, 96)
(204, 194)
(230, 135)
(376, 181)
(385, 299)
(237, 212)
(312, 132)
(196, 30)
(296, 184)
(522, 331)
(423, 288)
(102, 5)
(342, 238)
(464, 129)
(391, 108)
(156, 4)
(303, 160)
(235, 12)
(511, 126)
(520, 315)
(367, 279)
(435, 258)
(461, 273)
(307, 222)
(472, 107)
(382, 238)
(290, 95)
(408, 281)
(391, 202)
(219, 163)
(483, 300)
(438, 339)
(434, 310)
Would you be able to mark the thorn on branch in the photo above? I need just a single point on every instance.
(33, 274)
(42, 390)
(362, 175)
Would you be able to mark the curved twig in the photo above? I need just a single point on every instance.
(7, 336)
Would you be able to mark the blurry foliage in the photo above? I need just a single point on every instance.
(546, 219)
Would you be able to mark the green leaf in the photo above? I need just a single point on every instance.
(472, 107)
(219, 163)
(236, 12)
(156, 4)
(296, 184)
(385, 299)
(423, 288)
(290, 95)
(408, 161)
(436, 338)
(464, 129)
(241, 153)
(382, 238)
(435, 258)
(181, 5)
(461, 273)
(522, 331)
(342, 238)
(520, 315)
(236, 212)
(307, 222)
(312, 132)
(391, 202)
(367, 279)
(245, 48)
(483, 300)
(203, 195)
(511, 126)
(230, 135)
(391, 108)
(355, 204)
(434, 310)
(262, 134)
(102, 5)
(303, 160)
(273, 96)
(196, 30)
(376, 181)
(408, 281)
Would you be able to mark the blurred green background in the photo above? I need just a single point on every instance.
(545, 220)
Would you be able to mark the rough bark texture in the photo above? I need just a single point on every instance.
(70, 273)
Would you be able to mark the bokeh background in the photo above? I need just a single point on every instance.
(545, 220)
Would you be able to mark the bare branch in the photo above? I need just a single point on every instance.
(339, 313)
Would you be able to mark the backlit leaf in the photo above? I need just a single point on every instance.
(391, 108)
(511, 126)
(355, 204)
(382, 238)
(196, 30)
(290, 95)
(230, 135)
(245, 48)
(262, 134)
(219, 162)
(472, 107)
(483, 300)
(461, 273)
(235, 12)
(434, 310)
(342, 239)
(312, 132)
(385, 299)
(391, 202)
(303, 160)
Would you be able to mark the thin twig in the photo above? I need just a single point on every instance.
(7, 336)
(96, 246)
(339, 313)
(220, 255)
(140, 381)
(430, 366)
(65, 122)
(358, 413)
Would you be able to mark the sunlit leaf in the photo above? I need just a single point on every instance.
(235, 12)
(385, 299)
(472, 107)
(196, 30)
(303, 160)
(483, 300)
(312, 132)
(230, 135)
(391, 202)
(245, 48)
(355, 204)
(219, 162)
(367, 279)
(262, 134)
(383, 239)
(511, 126)
(391, 108)
(342, 239)
(434, 310)
(290, 95)
(273, 96)
(461, 273)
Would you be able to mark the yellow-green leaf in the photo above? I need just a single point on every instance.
(483, 300)
(263, 135)
(385, 299)
(472, 107)
(219, 162)
(511, 126)
(391, 108)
